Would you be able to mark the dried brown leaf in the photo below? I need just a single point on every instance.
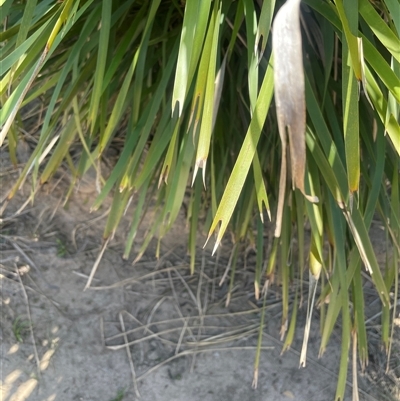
(290, 97)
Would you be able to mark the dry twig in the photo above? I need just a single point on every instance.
(28, 311)
(128, 352)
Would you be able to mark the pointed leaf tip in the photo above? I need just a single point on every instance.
(217, 242)
(176, 109)
(201, 163)
(312, 199)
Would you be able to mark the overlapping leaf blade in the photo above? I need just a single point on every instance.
(176, 85)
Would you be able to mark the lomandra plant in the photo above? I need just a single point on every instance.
(187, 88)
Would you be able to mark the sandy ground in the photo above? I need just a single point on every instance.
(59, 342)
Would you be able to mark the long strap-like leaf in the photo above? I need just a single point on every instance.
(290, 98)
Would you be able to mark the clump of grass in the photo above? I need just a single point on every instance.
(186, 90)
(20, 328)
(61, 248)
(120, 395)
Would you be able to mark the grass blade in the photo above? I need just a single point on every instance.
(243, 162)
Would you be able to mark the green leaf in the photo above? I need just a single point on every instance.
(348, 13)
(252, 59)
(206, 126)
(380, 28)
(105, 24)
(350, 121)
(244, 160)
(343, 299)
(264, 25)
(262, 197)
(192, 37)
